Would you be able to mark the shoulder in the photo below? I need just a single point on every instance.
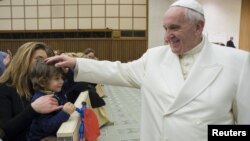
(36, 95)
(7, 90)
(9, 96)
(228, 50)
(233, 55)
(158, 50)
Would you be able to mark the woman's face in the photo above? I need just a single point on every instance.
(36, 54)
(91, 55)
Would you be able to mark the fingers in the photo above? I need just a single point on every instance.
(45, 104)
(71, 105)
(61, 64)
(69, 108)
(62, 61)
(54, 59)
(55, 108)
(51, 99)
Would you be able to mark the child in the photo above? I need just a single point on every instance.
(47, 80)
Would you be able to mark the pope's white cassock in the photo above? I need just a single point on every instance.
(181, 95)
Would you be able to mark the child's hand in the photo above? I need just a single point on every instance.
(69, 107)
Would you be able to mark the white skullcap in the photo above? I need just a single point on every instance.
(191, 4)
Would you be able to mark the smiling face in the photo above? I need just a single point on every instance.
(180, 32)
(55, 83)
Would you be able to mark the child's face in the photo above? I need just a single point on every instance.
(55, 83)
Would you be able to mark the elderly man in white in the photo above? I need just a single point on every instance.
(185, 85)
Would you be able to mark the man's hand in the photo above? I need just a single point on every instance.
(62, 61)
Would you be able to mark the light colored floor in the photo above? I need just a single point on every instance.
(123, 108)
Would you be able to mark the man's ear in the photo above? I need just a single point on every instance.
(199, 27)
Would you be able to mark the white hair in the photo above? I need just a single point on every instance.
(193, 16)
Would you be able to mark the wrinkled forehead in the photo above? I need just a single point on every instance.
(176, 13)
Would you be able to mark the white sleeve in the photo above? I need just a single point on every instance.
(129, 74)
(241, 106)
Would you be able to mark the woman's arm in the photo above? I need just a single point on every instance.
(15, 116)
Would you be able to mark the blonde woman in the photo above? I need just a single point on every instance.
(16, 109)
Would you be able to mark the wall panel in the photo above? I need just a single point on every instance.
(106, 49)
(97, 10)
(244, 26)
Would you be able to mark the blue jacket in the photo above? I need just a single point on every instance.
(47, 124)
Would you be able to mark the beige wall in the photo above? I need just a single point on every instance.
(155, 30)
(73, 14)
(222, 20)
(244, 26)
(78, 15)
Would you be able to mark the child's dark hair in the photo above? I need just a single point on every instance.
(41, 73)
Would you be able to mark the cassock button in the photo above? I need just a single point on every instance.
(198, 122)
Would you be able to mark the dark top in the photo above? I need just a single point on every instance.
(47, 124)
(73, 89)
(230, 44)
(16, 114)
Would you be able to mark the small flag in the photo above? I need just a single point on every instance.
(92, 131)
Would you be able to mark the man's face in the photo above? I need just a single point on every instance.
(180, 33)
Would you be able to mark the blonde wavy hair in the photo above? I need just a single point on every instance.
(17, 73)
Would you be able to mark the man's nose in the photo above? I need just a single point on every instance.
(169, 36)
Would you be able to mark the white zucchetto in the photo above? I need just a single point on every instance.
(190, 4)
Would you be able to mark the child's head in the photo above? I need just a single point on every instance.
(46, 76)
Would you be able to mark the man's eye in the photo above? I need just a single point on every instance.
(174, 28)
